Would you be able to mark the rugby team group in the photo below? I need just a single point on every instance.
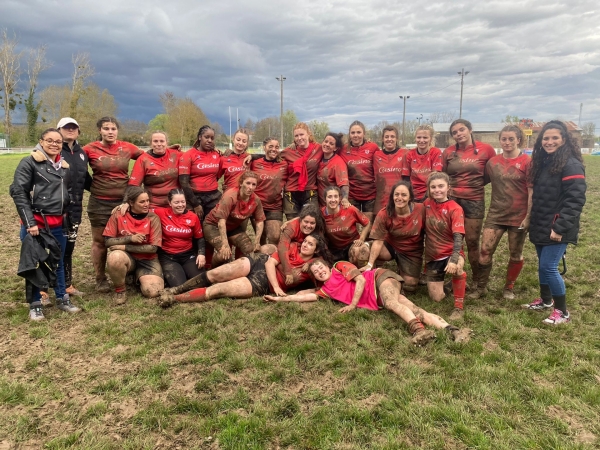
(349, 206)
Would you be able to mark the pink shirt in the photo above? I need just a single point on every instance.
(341, 286)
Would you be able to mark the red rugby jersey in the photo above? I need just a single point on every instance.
(418, 167)
(203, 168)
(110, 166)
(360, 170)
(272, 177)
(509, 189)
(404, 234)
(340, 228)
(232, 168)
(332, 172)
(294, 261)
(466, 169)
(387, 168)
(291, 154)
(442, 220)
(119, 226)
(178, 230)
(158, 175)
(291, 233)
(235, 210)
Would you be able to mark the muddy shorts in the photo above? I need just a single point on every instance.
(208, 200)
(99, 211)
(409, 266)
(473, 209)
(274, 215)
(212, 234)
(365, 206)
(380, 276)
(143, 267)
(509, 228)
(258, 274)
(294, 201)
(340, 254)
(436, 270)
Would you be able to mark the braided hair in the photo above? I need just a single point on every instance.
(467, 124)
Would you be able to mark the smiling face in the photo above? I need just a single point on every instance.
(461, 134)
(109, 133)
(158, 142)
(308, 224)
(328, 146)
(390, 141)
(52, 143)
(357, 135)
(509, 141)
(301, 138)
(207, 140)
(438, 189)
(332, 200)
(320, 271)
(401, 197)
(423, 139)
(308, 247)
(552, 140)
(141, 205)
(178, 204)
(271, 149)
(240, 142)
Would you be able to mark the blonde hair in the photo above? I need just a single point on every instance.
(305, 127)
(429, 128)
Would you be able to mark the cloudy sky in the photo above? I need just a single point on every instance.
(343, 60)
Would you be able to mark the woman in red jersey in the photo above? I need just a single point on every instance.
(199, 170)
(109, 160)
(343, 239)
(465, 165)
(398, 234)
(510, 209)
(303, 160)
(272, 173)
(251, 276)
(232, 166)
(421, 161)
(223, 227)
(387, 166)
(180, 228)
(132, 240)
(445, 229)
(358, 155)
(332, 169)
(157, 170)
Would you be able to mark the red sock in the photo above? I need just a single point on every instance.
(120, 289)
(195, 295)
(459, 284)
(512, 273)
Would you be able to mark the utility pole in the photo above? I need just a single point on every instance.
(420, 118)
(281, 78)
(404, 98)
(230, 146)
(580, 111)
(462, 74)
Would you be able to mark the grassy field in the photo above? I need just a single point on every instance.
(244, 374)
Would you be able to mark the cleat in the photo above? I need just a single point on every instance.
(508, 294)
(120, 298)
(422, 337)
(457, 314)
(102, 286)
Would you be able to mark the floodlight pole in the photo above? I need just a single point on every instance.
(462, 74)
(281, 78)
(404, 98)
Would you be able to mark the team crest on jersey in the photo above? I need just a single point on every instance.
(145, 225)
(518, 165)
(82, 157)
(367, 151)
(343, 217)
(214, 156)
(416, 221)
(444, 211)
(151, 163)
(188, 221)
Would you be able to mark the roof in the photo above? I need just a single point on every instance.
(571, 126)
(477, 127)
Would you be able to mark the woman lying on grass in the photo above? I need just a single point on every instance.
(374, 290)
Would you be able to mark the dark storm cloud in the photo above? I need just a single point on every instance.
(342, 60)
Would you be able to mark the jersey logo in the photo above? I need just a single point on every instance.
(343, 217)
(518, 165)
(444, 211)
(151, 163)
(214, 156)
(82, 157)
(415, 221)
(188, 221)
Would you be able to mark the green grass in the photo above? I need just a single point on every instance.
(244, 374)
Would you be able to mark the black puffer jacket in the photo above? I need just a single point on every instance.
(557, 202)
(39, 187)
(80, 178)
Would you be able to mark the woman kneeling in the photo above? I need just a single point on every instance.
(132, 240)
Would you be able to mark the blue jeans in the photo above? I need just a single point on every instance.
(549, 256)
(59, 288)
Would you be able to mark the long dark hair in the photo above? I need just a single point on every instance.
(390, 208)
(321, 250)
(313, 211)
(133, 192)
(467, 124)
(558, 160)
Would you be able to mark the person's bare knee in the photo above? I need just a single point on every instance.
(236, 269)
(151, 285)
(436, 291)
(268, 249)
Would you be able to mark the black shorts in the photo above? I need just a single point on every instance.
(208, 200)
(409, 266)
(294, 201)
(212, 234)
(340, 254)
(99, 211)
(496, 226)
(473, 209)
(365, 206)
(258, 274)
(143, 267)
(274, 215)
(436, 270)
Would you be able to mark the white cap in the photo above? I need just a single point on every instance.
(66, 120)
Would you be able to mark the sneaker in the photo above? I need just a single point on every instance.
(538, 305)
(508, 294)
(45, 299)
(422, 337)
(66, 305)
(72, 290)
(102, 286)
(557, 318)
(36, 314)
(120, 298)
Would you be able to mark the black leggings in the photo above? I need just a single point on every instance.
(177, 269)
(68, 263)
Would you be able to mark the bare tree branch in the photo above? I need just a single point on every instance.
(10, 71)
(82, 71)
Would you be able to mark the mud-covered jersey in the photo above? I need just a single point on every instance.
(272, 176)
(340, 228)
(232, 168)
(203, 168)
(387, 168)
(466, 169)
(294, 260)
(332, 172)
(359, 161)
(234, 210)
(442, 220)
(291, 233)
(178, 230)
(110, 168)
(404, 234)
(418, 167)
(158, 174)
(126, 225)
(291, 154)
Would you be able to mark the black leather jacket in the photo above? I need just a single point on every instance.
(39, 187)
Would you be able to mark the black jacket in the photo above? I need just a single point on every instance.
(39, 260)
(557, 202)
(39, 187)
(80, 178)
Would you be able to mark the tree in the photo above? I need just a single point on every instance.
(10, 71)
(36, 63)
(511, 120)
(319, 129)
(264, 128)
(56, 101)
(93, 103)
(250, 125)
(289, 120)
(442, 116)
(134, 131)
(589, 130)
(159, 123)
(82, 71)
(184, 118)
